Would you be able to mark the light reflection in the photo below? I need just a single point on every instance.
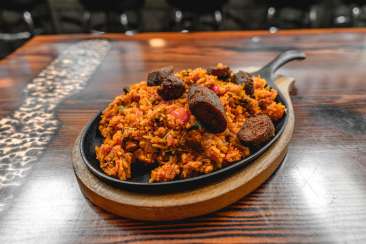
(329, 191)
(51, 194)
(323, 177)
(157, 42)
(313, 187)
(312, 183)
(48, 205)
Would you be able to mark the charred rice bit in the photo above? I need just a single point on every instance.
(235, 153)
(115, 162)
(166, 172)
(195, 165)
(141, 126)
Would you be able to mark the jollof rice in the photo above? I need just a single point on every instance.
(140, 127)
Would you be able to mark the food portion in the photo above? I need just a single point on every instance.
(221, 71)
(156, 77)
(171, 88)
(184, 124)
(256, 131)
(206, 106)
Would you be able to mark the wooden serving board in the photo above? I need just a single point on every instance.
(195, 202)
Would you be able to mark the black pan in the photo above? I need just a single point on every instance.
(91, 137)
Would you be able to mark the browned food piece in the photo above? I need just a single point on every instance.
(262, 104)
(171, 88)
(206, 106)
(245, 103)
(194, 141)
(222, 72)
(240, 77)
(194, 145)
(245, 78)
(131, 146)
(249, 87)
(156, 77)
(256, 131)
(126, 90)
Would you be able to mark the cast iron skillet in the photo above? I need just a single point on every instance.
(91, 137)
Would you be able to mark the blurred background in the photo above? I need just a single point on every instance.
(22, 19)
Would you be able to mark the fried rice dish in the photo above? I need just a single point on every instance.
(187, 123)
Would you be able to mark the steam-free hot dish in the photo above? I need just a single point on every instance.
(187, 123)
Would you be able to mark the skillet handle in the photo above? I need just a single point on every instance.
(283, 58)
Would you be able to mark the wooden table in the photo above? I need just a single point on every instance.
(318, 194)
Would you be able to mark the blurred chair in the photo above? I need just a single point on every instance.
(188, 13)
(14, 14)
(22, 19)
(30, 12)
(110, 8)
(290, 13)
(24, 8)
(355, 12)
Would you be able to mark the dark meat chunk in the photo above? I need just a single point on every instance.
(206, 106)
(222, 72)
(126, 90)
(249, 88)
(171, 88)
(240, 77)
(245, 78)
(256, 131)
(156, 77)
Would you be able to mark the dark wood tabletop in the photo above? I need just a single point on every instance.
(317, 195)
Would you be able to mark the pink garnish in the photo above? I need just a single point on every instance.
(181, 114)
(215, 88)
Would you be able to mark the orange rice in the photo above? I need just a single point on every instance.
(140, 127)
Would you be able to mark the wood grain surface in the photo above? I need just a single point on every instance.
(318, 195)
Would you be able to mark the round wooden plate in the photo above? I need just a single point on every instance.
(195, 202)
